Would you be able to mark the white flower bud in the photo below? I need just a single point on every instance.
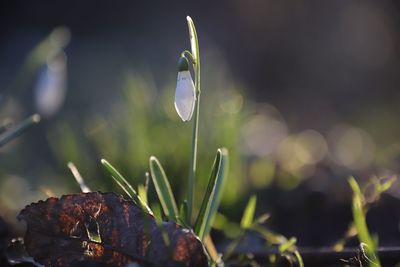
(185, 95)
(51, 87)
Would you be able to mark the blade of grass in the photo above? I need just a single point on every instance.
(360, 221)
(183, 212)
(157, 213)
(213, 194)
(270, 236)
(125, 185)
(299, 258)
(142, 193)
(163, 189)
(206, 204)
(18, 129)
(147, 182)
(248, 214)
(262, 219)
(386, 183)
(288, 244)
(78, 177)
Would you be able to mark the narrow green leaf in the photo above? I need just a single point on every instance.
(288, 244)
(207, 200)
(386, 183)
(163, 189)
(157, 213)
(78, 177)
(142, 193)
(299, 258)
(360, 220)
(193, 38)
(248, 214)
(262, 219)
(183, 212)
(213, 194)
(125, 185)
(18, 129)
(270, 236)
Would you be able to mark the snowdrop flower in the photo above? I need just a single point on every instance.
(185, 95)
(50, 90)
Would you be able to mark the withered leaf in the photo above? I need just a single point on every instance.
(105, 228)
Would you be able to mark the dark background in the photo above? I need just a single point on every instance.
(308, 58)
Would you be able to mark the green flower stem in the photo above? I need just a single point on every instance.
(194, 57)
(188, 56)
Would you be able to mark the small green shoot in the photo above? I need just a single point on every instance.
(93, 230)
(288, 244)
(360, 223)
(248, 214)
(163, 189)
(125, 185)
(373, 190)
(18, 129)
(213, 194)
(384, 184)
(371, 193)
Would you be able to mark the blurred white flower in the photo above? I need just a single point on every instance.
(51, 88)
(185, 95)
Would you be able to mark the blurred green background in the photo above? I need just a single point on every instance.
(302, 93)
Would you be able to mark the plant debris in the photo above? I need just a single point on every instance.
(105, 228)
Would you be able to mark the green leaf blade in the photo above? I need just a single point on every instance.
(213, 194)
(163, 189)
(125, 185)
(248, 214)
(193, 39)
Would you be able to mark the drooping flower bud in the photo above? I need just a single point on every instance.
(51, 87)
(185, 95)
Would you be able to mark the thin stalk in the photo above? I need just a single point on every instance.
(78, 178)
(193, 160)
(18, 129)
(195, 129)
